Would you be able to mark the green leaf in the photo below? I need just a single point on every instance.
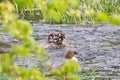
(26, 74)
(56, 72)
(1, 69)
(4, 29)
(51, 4)
(24, 4)
(20, 4)
(74, 77)
(40, 51)
(61, 6)
(5, 62)
(29, 4)
(29, 42)
(74, 4)
(21, 29)
(53, 15)
(115, 19)
(20, 50)
(100, 16)
(70, 66)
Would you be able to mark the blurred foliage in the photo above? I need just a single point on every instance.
(51, 11)
(69, 69)
(21, 29)
(69, 11)
(115, 19)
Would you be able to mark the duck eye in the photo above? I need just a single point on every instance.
(75, 52)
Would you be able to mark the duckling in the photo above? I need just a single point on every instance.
(61, 37)
(50, 38)
(56, 38)
(60, 34)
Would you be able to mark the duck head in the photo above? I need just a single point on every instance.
(50, 38)
(71, 55)
(61, 35)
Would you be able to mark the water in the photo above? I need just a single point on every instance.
(99, 45)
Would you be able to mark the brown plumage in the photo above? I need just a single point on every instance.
(50, 38)
(61, 37)
(70, 54)
(56, 38)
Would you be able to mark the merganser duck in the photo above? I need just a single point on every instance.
(69, 57)
(50, 38)
(56, 38)
(61, 37)
(72, 55)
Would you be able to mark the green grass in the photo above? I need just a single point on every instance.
(63, 11)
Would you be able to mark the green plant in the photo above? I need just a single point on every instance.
(68, 11)
(69, 70)
(21, 29)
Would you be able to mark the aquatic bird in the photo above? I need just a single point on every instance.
(72, 55)
(56, 38)
(50, 38)
(61, 37)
